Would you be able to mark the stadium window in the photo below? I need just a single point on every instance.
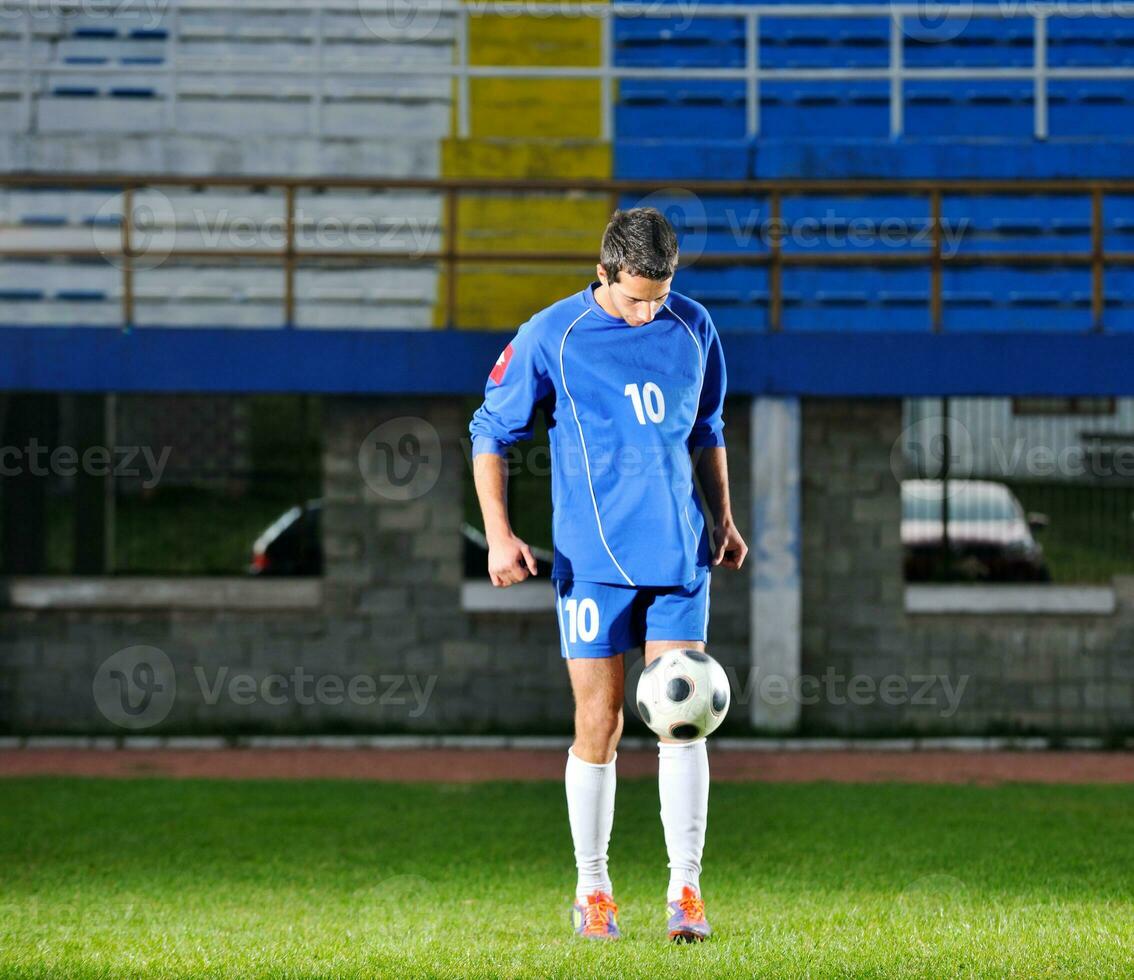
(159, 484)
(529, 510)
(1064, 406)
(1029, 490)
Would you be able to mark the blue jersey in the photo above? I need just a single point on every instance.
(624, 407)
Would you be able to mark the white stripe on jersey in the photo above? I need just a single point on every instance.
(700, 355)
(583, 441)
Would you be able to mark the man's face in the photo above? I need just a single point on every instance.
(636, 299)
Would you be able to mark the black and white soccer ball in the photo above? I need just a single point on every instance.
(683, 695)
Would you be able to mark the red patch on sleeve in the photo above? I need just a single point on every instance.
(497, 373)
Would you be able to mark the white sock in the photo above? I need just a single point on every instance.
(683, 785)
(590, 808)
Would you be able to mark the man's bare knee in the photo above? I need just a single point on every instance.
(597, 731)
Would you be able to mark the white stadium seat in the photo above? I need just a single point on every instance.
(236, 89)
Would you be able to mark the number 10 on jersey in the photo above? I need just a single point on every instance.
(649, 398)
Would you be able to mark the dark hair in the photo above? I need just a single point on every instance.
(640, 242)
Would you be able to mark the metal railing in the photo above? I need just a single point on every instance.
(315, 66)
(451, 256)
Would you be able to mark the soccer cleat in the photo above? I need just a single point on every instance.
(597, 918)
(687, 922)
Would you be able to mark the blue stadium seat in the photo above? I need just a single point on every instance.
(682, 56)
(871, 281)
(646, 121)
(662, 159)
(732, 285)
(823, 110)
(814, 317)
(628, 30)
(1118, 222)
(1090, 109)
(994, 109)
(1090, 30)
(740, 318)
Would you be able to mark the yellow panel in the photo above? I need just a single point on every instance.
(502, 299)
(527, 129)
(534, 40)
(560, 108)
(534, 108)
(526, 159)
(493, 222)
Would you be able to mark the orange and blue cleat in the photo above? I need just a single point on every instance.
(596, 918)
(687, 922)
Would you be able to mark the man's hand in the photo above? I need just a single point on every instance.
(510, 560)
(729, 547)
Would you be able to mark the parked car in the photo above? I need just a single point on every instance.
(990, 538)
(291, 545)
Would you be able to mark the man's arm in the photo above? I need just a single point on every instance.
(706, 443)
(510, 560)
(711, 465)
(514, 388)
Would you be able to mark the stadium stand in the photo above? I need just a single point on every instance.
(195, 87)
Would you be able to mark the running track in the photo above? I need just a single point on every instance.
(477, 765)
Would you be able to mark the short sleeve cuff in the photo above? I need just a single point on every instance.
(486, 444)
(706, 440)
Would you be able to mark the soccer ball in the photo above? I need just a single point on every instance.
(683, 695)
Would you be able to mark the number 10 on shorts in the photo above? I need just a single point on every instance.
(582, 619)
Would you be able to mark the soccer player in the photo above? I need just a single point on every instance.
(631, 379)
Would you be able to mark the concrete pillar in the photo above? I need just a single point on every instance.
(776, 583)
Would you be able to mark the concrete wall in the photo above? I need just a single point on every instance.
(388, 610)
(955, 673)
(381, 643)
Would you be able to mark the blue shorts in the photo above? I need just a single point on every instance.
(598, 619)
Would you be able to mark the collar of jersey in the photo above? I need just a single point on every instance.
(597, 311)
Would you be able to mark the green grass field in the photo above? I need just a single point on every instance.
(162, 878)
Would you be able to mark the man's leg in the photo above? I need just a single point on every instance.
(595, 622)
(597, 685)
(683, 787)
